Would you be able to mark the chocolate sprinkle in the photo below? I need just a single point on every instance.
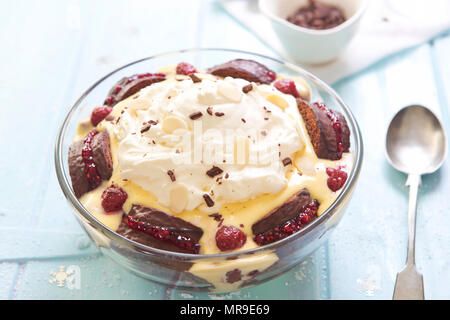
(194, 78)
(253, 273)
(247, 88)
(146, 127)
(209, 110)
(234, 276)
(217, 217)
(208, 200)
(214, 171)
(287, 161)
(219, 114)
(171, 175)
(196, 115)
(243, 120)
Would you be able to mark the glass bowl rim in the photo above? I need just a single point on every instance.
(112, 235)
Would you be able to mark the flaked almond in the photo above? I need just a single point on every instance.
(229, 91)
(278, 101)
(178, 198)
(170, 124)
(303, 88)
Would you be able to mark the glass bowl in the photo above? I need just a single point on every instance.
(171, 268)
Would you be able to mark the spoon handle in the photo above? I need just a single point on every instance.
(409, 283)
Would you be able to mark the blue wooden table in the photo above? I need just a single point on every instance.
(53, 50)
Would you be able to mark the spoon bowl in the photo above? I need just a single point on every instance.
(416, 142)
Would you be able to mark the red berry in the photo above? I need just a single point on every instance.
(271, 75)
(185, 68)
(100, 113)
(287, 86)
(337, 179)
(230, 238)
(113, 198)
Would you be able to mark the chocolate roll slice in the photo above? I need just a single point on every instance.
(90, 162)
(102, 154)
(288, 210)
(79, 180)
(245, 69)
(160, 230)
(328, 129)
(128, 86)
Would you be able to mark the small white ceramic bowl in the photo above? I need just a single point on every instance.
(308, 45)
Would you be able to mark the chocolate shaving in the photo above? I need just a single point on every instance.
(253, 273)
(217, 217)
(196, 115)
(171, 175)
(247, 88)
(214, 171)
(146, 127)
(287, 161)
(208, 200)
(233, 276)
(194, 78)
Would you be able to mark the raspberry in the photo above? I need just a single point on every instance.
(287, 86)
(100, 113)
(337, 179)
(113, 198)
(271, 75)
(185, 68)
(230, 238)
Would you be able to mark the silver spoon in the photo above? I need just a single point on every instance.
(416, 145)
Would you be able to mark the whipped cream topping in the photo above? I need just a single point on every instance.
(171, 134)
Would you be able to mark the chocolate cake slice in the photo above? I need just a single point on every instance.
(90, 162)
(102, 154)
(160, 230)
(288, 210)
(245, 69)
(128, 86)
(80, 183)
(328, 129)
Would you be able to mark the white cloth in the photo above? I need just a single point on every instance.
(388, 26)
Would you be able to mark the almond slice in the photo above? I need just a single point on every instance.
(178, 198)
(303, 88)
(278, 101)
(229, 91)
(170, 124)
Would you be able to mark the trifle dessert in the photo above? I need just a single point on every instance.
(211, 161)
